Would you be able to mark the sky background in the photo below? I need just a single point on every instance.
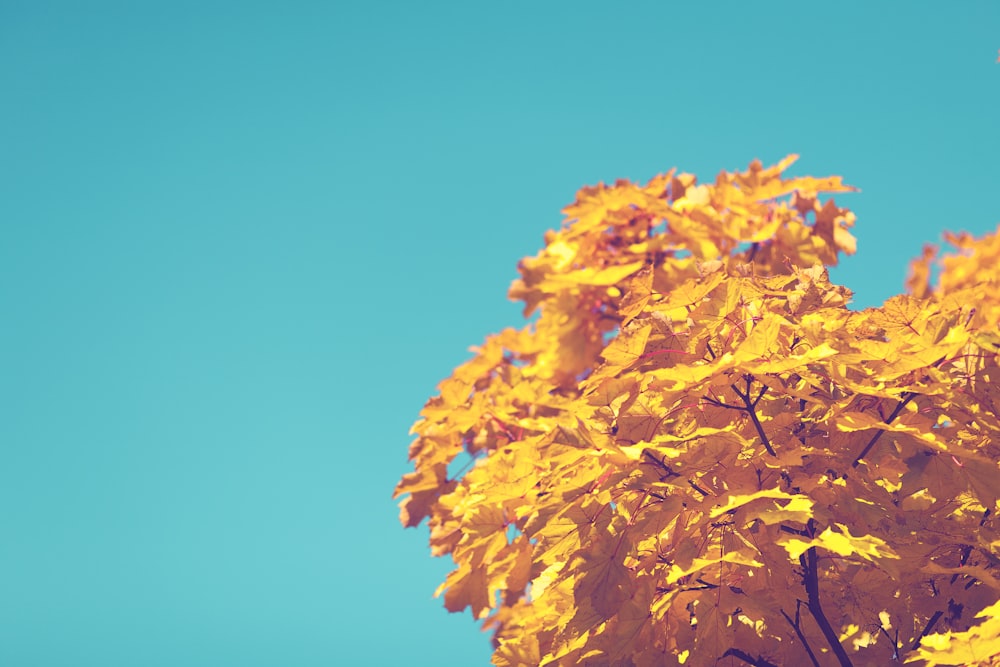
(242, 242)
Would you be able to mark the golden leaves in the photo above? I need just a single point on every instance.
(602, 579)
(841, 542)
(698, 564)
(798, 508)
(979, 646)
(697, 444)
(609, 275)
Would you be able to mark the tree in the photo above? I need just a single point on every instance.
(699, 454)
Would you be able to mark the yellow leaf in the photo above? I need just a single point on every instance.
(978, 646)
(783, 365)
(843, 543)
(798, 503)
(699, 564)
(627, 348)
(598, 277)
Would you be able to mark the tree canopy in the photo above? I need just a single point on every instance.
(699, 454)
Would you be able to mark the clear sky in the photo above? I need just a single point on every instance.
(243, 241)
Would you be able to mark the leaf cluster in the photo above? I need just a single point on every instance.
(699, 454)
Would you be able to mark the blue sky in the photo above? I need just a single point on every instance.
(243, 241)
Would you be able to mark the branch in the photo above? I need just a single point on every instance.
(668, 472)
(809, 563)
(798, 631)
(927, 628)
(719, 404)
(907, 397)
(747, 658)
(698, 488)
(763, 390)
(966, 552)
(894, 640)
(749, 409)
(704, 585)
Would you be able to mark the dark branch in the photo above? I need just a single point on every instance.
(702, 586)
(698, 488)
(798, 631)
(749, 406)
(661, 464)
(966, 552)
(719, 404)
(907, 397)
(760, 431)
(927, 628)
(747, 658)
(763, 390)
(894, 640)
(809, 564)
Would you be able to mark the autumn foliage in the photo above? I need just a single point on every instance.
(700, 454)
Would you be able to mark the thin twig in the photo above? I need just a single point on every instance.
(798, 631)
(749, 659)
(927, 628)
(662, 465)
(966, 552)
(750, 405)
(763, 390)
(719, 404)
(907, 397)
(895, 641)
(698, 488)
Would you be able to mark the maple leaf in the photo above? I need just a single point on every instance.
(842, 543)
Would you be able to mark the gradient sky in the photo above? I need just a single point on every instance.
(243, 241)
